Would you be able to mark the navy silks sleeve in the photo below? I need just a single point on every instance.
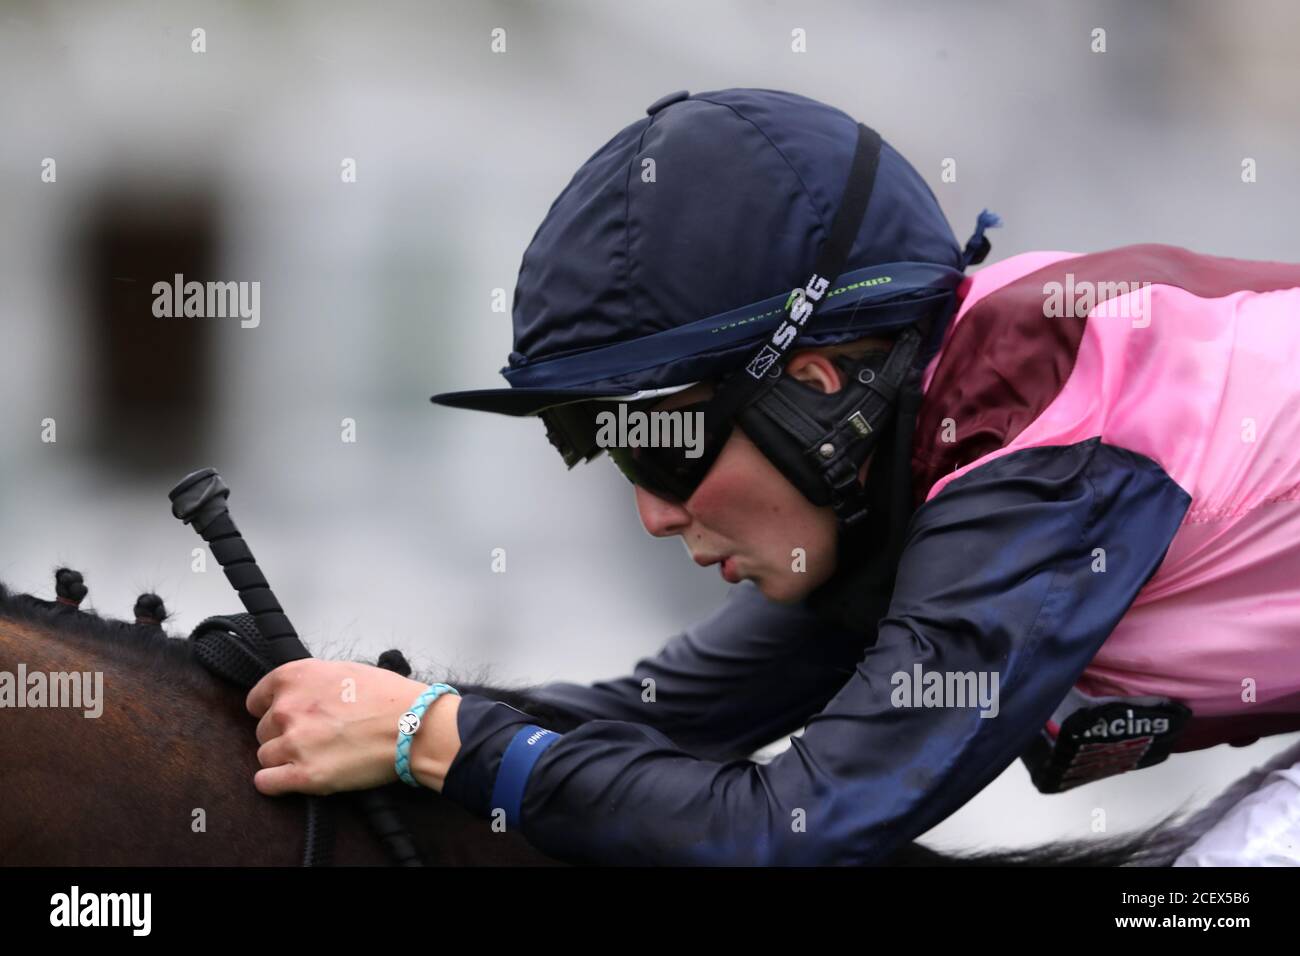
(748, 674)
(1000, 575)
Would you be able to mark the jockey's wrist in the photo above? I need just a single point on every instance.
(435, 747)
(409, 726)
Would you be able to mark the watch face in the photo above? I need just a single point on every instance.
(409, 723)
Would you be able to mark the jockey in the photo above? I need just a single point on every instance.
(1105, 468)
(1048, 511)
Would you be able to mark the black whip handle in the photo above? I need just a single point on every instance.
(200, 500)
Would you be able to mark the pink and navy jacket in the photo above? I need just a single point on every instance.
(1107, 470)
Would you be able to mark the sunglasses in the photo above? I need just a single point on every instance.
(674, 452)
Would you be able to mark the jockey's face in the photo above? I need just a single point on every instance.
(747, 513)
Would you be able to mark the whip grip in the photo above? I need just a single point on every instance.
(199, 500)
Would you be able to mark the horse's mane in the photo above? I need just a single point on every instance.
(145, 643)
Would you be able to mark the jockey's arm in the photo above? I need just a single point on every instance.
(997, 580)
(750, 673)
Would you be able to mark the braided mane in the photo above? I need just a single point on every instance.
(143, 640)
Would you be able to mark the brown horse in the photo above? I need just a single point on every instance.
(163, 774)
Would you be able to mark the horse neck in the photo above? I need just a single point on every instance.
(162, 775)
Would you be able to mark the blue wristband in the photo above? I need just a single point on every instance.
(409, 723)
(527, 745)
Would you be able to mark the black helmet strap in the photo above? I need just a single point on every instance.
(741, 387)
(820, 440)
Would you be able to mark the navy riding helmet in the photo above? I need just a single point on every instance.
(697, 245)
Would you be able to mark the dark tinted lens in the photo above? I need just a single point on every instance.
(665, 472)
(670, 472)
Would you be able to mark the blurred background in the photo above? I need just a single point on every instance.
(225, 165)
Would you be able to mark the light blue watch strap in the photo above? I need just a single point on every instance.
(409, 723)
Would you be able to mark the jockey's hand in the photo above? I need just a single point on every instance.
(327, 726)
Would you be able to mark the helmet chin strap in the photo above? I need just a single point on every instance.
(820, 440)
(857, 595)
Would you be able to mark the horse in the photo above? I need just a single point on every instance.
(163, 776)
